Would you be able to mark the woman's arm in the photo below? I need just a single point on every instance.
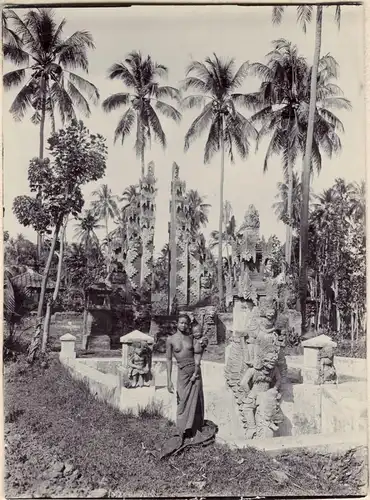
(169, 364)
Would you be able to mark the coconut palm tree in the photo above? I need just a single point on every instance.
(130, 194)
(142, 100)
(105, 207)
(304, 16)
(216, 83)
(85, 231)
(282, 102)
(281, 205)
(196, 210)
(48, 78)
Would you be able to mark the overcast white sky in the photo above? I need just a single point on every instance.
(174, 36)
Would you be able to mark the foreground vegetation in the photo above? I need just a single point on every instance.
(61, 441)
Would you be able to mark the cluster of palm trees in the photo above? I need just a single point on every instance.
(293, 105)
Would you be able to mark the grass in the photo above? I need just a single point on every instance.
(50, 416)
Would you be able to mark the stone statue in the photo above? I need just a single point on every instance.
(139, 364)
(257, 391)
(256, 381)
(327, 372)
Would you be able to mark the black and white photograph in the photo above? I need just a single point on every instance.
(184, 251)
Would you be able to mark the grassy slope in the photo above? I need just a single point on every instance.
(51, 417)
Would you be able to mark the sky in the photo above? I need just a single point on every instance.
(174, 36)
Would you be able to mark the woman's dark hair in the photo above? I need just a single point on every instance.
(184, 315)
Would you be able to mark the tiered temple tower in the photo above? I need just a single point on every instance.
(185, 263)
(140, 235)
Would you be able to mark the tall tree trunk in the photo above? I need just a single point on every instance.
(34, 346)
(173, 256)
(41, 152)
(321, 303)
(50, 304)
(108, 243)
(142, 158)
(220, 222)
(306, 173)
(289, 228)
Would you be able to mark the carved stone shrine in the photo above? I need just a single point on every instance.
(255, 366)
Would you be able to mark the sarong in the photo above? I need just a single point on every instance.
(191, 428)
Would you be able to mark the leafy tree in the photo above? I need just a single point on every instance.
(78, 157)
(20, 251)
(216, 83)
(337, 259)
(142, 77)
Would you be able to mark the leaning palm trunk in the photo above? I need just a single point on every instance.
(306, 173)
(34, 346)
(289, 233)
(41, 152)
(51, 302)
(220, 224)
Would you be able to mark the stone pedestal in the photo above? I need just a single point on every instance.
(311, 357)
(127, 342)
(67, 347)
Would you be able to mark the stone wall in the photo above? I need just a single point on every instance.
(65, 322)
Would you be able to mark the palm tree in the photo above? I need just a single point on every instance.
(282, 102)
(105, 207)
(196, 210)
(85, 231)
(281, 205)
(216, 82)
(50, 82)
(141, 76)
(304, 16)
(130, 194)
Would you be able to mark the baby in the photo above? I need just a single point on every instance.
(199, 345)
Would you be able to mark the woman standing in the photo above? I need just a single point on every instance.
(191, 427)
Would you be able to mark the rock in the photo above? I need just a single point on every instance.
(99, 493)
(68, 469)
(57, 467)
(280, 477)
(54, 474)
(76, 474)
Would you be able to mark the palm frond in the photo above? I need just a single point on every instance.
(63, 102)
(199, 125)
(125, 125)
(213, 141)
(168, 111)
(115, 101)
(193, 101)
(120, 72)
(277, 14)
(22, 102)
(14, 78)
(85, 86)
(191, 82)
(72, 53)
(15, 54)
(156, 125)
(304, 15)
(240, 75)
(78, 99)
